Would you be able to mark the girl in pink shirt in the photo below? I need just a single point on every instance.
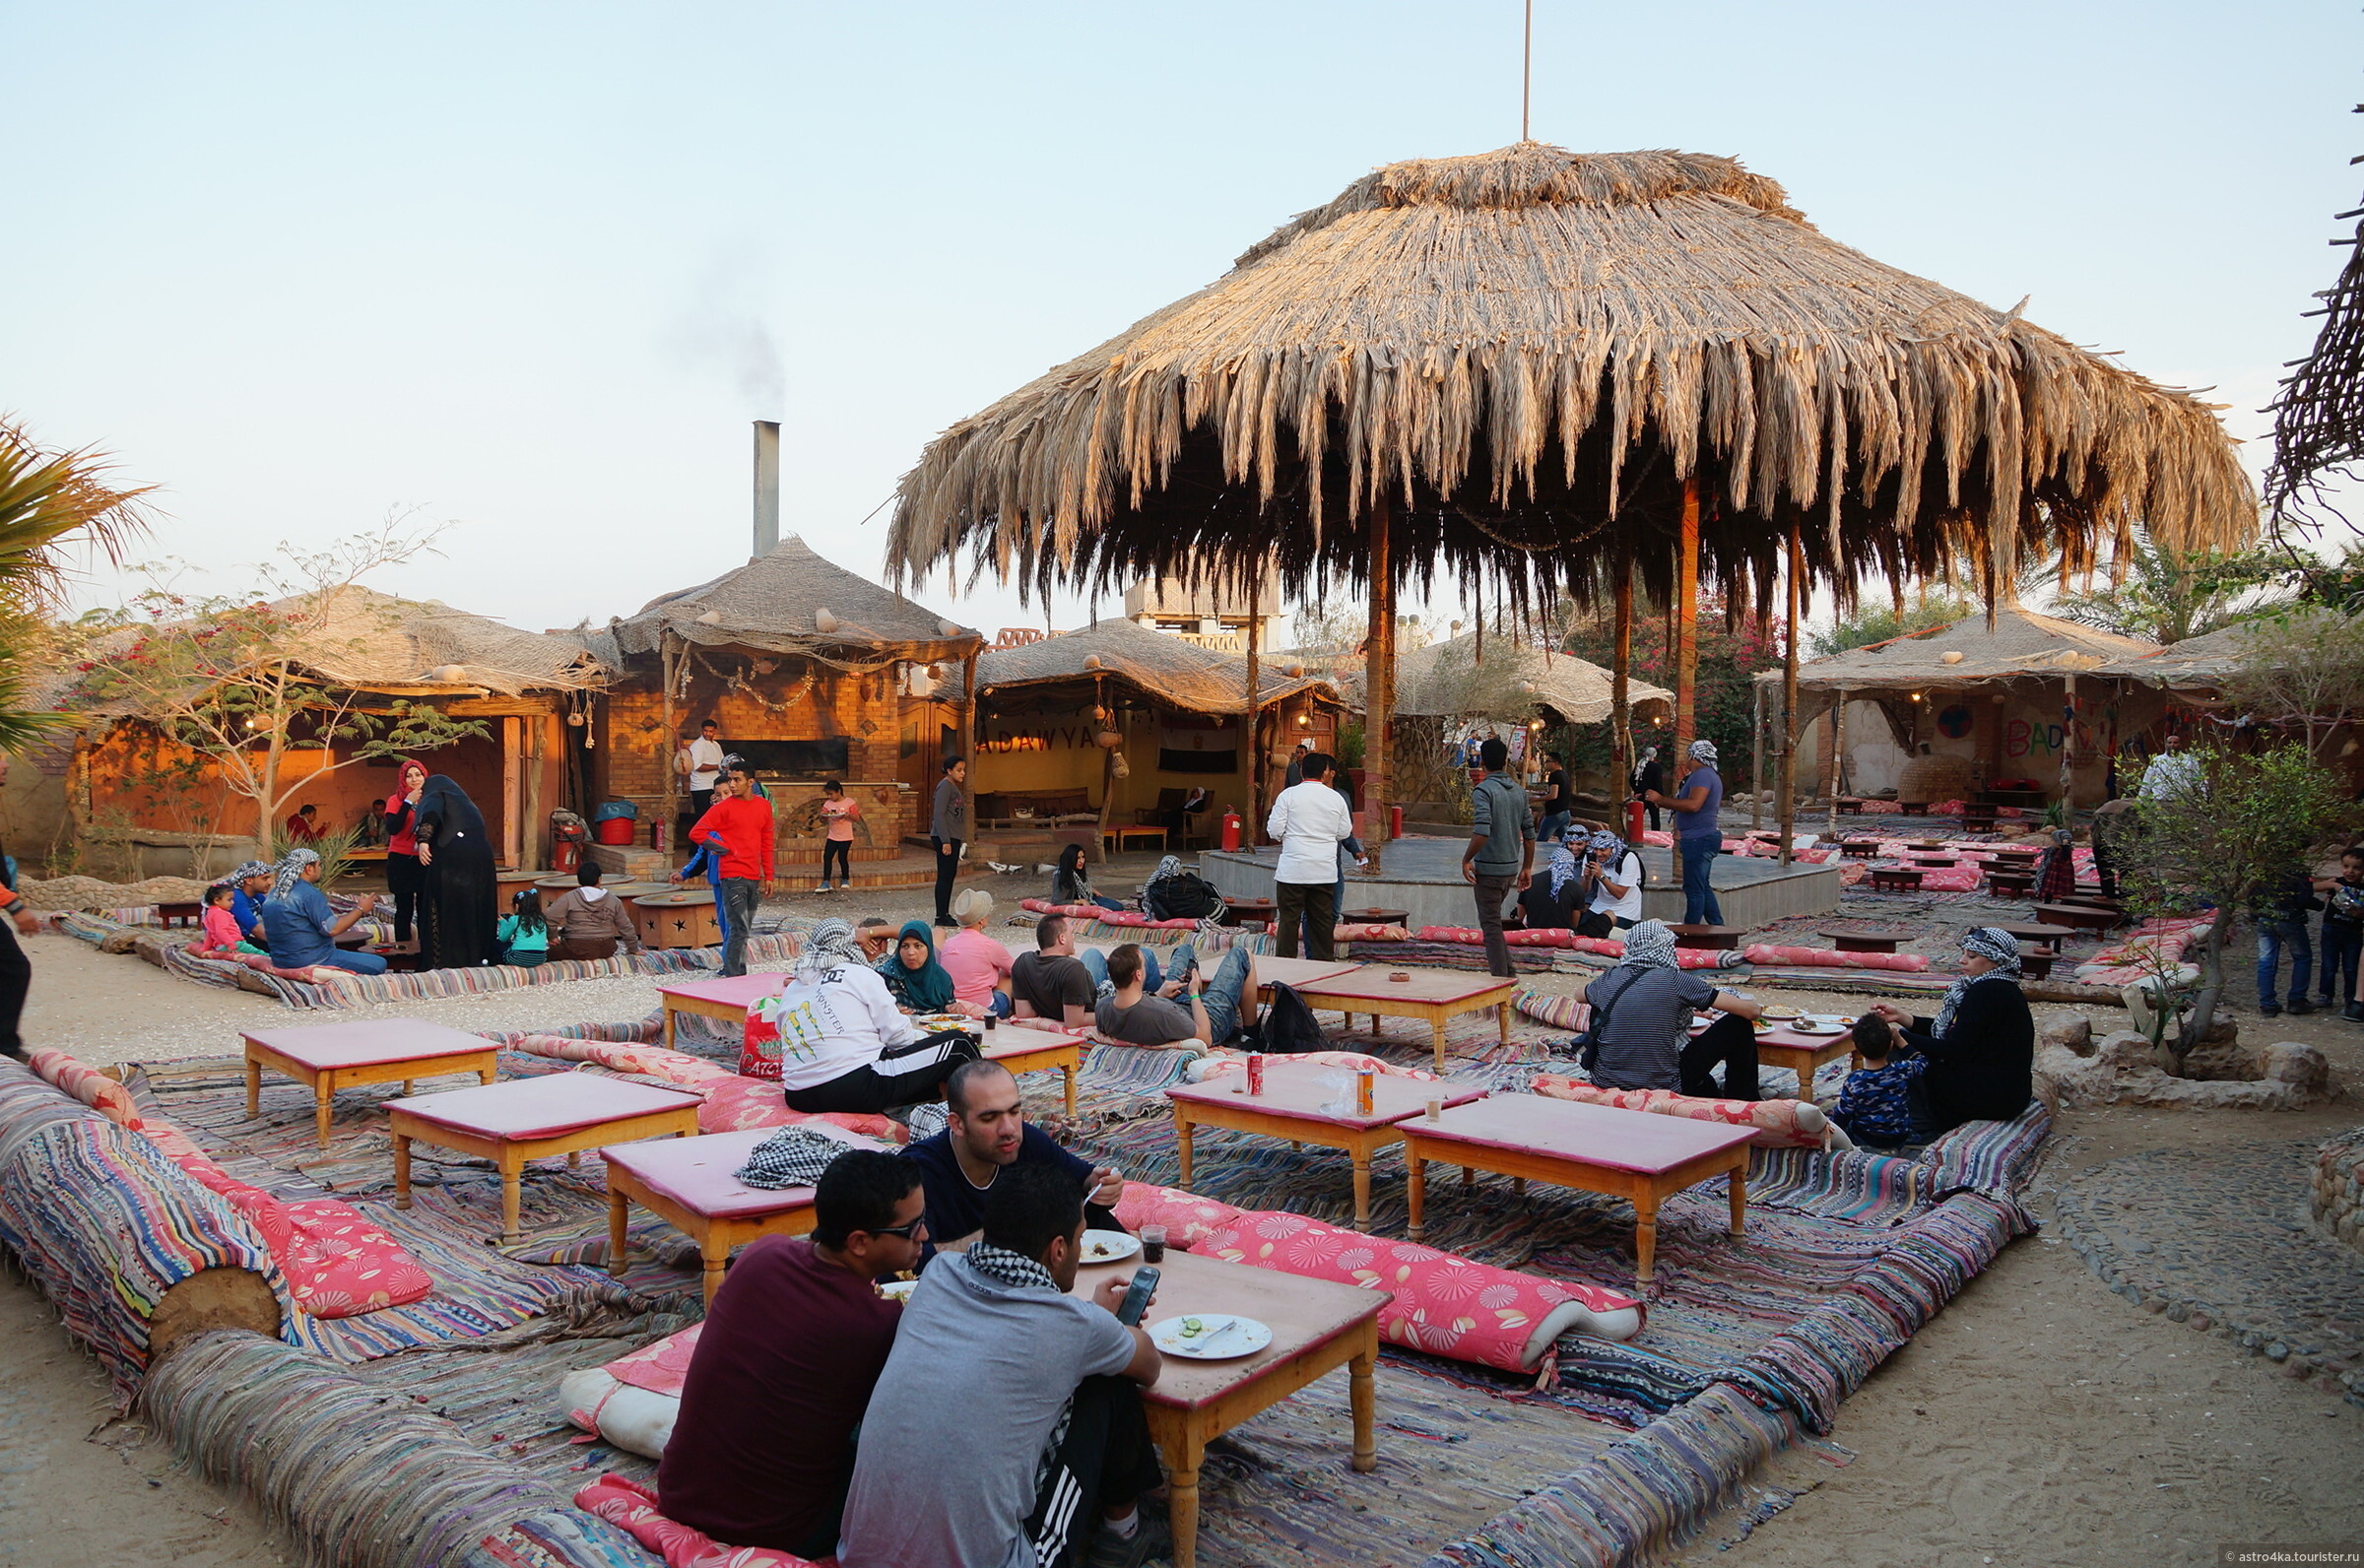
(839, 812)
(221, 927)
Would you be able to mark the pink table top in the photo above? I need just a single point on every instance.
(737, 991)
(548, 1106)
(695, 1172)
(1598, 1134)
(370, 1043)
(1297, 1090)
(1370, 983)
(1298, 972)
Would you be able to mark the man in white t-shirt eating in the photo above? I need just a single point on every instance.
(700, 761)
(1612, 874)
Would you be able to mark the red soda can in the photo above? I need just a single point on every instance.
(1255, 1072)
(1362, 1091)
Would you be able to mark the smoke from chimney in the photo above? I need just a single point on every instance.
(768, 486)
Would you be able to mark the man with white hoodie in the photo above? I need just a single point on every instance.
(1310, 820)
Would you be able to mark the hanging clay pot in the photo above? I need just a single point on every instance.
(1108, 740)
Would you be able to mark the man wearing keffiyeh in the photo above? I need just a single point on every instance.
(303, 927)
(1981, 1046)
(1641, 1011)
(995, 1329)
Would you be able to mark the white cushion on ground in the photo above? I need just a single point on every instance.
(634, 1420)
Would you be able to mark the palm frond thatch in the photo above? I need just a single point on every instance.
(1445, 680)
(2016, 645)
(1520, 358)
(1178, 672)
(793, 601)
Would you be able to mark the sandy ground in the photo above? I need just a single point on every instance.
(2038, 1420)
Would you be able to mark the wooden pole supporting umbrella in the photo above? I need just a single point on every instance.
(1787, 806)
(1254, 726)
(1621, 704)
(1379, 683)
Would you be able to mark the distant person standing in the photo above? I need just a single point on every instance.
(839, 812)
(947, 826)
(2174, 771)
(701, 764)
(1698, 833)
(1649, 778)
(405, 877)
(1310, 820)
(1295, 775)
(1559, 802)
(1501, 855)
(740, 826)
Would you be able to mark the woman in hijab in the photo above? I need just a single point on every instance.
(843, 1044)
(1641, 1010)
(404, 875)
(1982, 1045)
(1649, 776)
(914, 979)
(459, 910)
(303, 927)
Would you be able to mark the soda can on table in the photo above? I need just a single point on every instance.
(1362, 1091)
(1255, 1072)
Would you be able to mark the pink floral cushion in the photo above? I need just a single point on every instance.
(1830, 958)
(633, 1507)
(1443, 1304)
(660, 1369)
(1187, 1218)
(1370, 932)
(338, 1265)
(88, 1085)
(1776, 1123)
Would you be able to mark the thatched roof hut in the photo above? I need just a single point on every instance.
(2019, 645)
(1178, 672)
(1509, 353)
(1442, 680)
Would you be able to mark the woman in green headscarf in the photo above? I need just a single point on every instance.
(916, 981)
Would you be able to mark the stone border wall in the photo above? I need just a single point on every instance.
(2335, 1188)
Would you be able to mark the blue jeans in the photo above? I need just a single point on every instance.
(2342, 950)
(1553, 826)
(998, 1005)
(1218, 996)
(1106, 902)
(1095, 964)
(1699, 852)
(2272, 937)
(532, 958)
(358, 962)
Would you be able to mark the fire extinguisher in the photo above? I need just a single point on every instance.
(1633, 821)
(1394, 822)
(1231, 831)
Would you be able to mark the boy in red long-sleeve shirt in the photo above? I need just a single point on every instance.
(739, 825)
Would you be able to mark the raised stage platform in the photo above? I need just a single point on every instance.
(1424, 876)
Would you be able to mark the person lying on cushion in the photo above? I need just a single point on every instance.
(304, 930)
(844, 1045)
(1179, 1012)
(1009, 1421)
(764, 1448)
(986, 1132)
(913, 977)
(1982, 1045)
(1649, 1003)
(1071, 885)
(1051, 982)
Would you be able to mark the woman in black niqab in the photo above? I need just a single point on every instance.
(459, 899)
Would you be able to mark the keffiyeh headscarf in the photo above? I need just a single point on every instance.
(1601, 840)
(831, 945)
(1650, 945)
(1560, 870)
(1170, 866)
(289, 870)
(1013, 1269)
(1704, 752)
(248, 868)
(1987, 942)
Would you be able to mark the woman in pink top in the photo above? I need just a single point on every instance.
(839, 812)
(978, 964)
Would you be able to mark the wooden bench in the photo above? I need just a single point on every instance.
(1896, 879)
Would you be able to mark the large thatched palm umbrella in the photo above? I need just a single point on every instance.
(1558, 371)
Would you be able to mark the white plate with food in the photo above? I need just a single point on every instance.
(1818, 1026)
(897, 1289)
(1108, 1246)
(1782, 1013)
(938, 1023)
(1209, 1337)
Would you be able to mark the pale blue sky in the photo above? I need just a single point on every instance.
(534, 268)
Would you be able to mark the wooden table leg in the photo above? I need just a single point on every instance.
(1070, 1088)
(1739, 1200)
(1362, 1190)
(324, 1092)
(669, 1024)
(713, 1254)
(1438, 1026)
(618, 1203)
(402, 1171)
(1183, 1133)
(1362, 1396)
(254, 1088)
(512, 1176)
(486, 1074)
(1503, 1007)
(1415, 1193)
(1645, 1240)
(1182, 1499)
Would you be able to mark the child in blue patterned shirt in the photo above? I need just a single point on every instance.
(1875, 1105)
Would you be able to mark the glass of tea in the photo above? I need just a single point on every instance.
(1152, 1244)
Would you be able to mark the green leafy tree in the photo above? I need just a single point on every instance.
(2235, 827)
(232, 681)
(1868, 625)
(2303, 665)
(2166, 595)
(1721, 698)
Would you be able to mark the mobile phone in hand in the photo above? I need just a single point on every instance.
(1136, 1298)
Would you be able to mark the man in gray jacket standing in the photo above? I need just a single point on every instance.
(1501, 855)
(947, 826)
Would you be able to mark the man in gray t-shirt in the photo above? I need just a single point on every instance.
(1008, 1413)
(1649, 1003)
(1500, 856)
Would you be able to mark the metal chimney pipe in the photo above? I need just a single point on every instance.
(768, 486)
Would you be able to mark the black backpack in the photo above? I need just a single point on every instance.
(1288, 1027)
(1185, 895)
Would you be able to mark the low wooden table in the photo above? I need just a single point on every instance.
(2036, 963)
(687, 1183)
(1859, 848)
(2050, 936)
(1038, 1050)
(334, 1056)
(1896, 879)
(1292, 1107)
(724, 999)
(1595, 1148)
(1848, 805)
(1296, 973)
(1435, 994)
(1375, 917)
(1801, 1054)
(1318, 1326)
(2010, 884)
(1979, 821)
(1238, 911)
(2016, 856)
(1912, 808)
(2083, 917)
(1868, 941)
(1715, 939)
(185, 913)
(508, 1124)
(1933, 859)
(1118, 837)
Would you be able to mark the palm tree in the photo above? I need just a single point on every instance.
(49, 501)
(2166, 595)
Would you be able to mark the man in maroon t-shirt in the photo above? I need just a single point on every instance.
(763, 1451)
